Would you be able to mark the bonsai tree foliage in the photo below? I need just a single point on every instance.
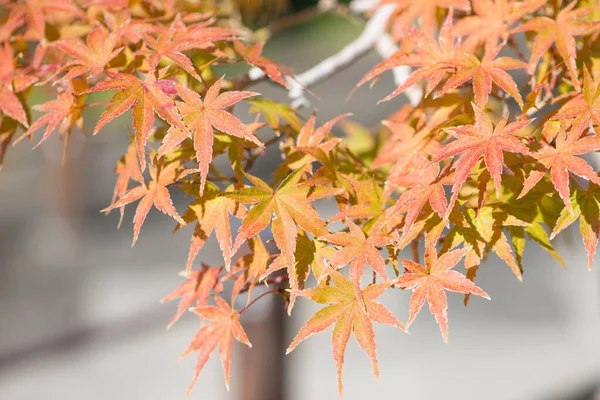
(490, 153)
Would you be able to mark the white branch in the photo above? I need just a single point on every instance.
(373, 35)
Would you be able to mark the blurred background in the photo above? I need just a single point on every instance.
(80, 316)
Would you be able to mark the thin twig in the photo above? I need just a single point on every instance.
(374, 31)
(273, 291)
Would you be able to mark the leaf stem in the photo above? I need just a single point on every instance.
(272, 291)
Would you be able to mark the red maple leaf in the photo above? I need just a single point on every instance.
(222, 328)
(562, 159)
(195, 290)
(146, 97)
(201, 117)
(429, 284)
(481, 139)
(351, 310)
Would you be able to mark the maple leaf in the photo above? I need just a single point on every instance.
(482, 231)
(430, 282)
(561, 32)
(310, 139)
(408, 11)
(146, 97)
(291, 204)
(38, 12)
(406, 144)
(351, 310)
(9, 102)
(584, 107)
(274, 112)
(491, 21)
(251, 268)
(483, 72)
(155, 193)
(64, 111)
(127, 168)
(171, 42)
(429, 55)
(561, 160)
(15, 19)
(310, 255)
(197, 35)
(195, 289)
(252, 53)
(424, 186)
(481, 139)
(100, 50)
(586, 209)
(367, 202)
(211, 211)
(358, 250)
(201, 117)
(223, 327)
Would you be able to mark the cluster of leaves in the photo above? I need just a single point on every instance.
(457, 170)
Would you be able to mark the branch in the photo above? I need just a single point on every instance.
(373, 35)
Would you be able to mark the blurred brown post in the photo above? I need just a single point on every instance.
(263, 367)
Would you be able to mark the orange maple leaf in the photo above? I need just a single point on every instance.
(357, 250)
(562, 159)
(584, 107)
(171, 43)
(201, 117)
(155, 193)
(492, 20)
(561, 31)
(223, 327)
(429, 284)
(481, 139)
(100, 50)
(195, 289)
(9, 102)
(408, 11)
(483, 72)
(146, 97)
(127, 168)
(211, 211)
(64, 111)
(276, 72)
(291, 204)
(351, 309)
(431, 56)
(424, 186)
